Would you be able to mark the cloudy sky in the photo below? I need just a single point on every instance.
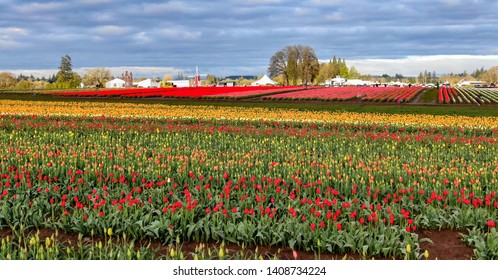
(235, 37)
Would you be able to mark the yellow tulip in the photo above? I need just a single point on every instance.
(213, 112)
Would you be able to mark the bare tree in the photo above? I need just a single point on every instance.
(309, 64)
(491, 75)
(296, 64)
(7, 80)
(97, 77)
(278, 65)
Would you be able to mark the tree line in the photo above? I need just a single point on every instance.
(293, 65)
(298, 65)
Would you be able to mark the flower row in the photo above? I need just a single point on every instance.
(325, 187)
(468, 96)
(214, 112)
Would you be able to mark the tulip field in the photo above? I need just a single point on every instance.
(187, 92)
(372, 94)
(118, 178)
(475, 96)
(375, 94)
(413, 95)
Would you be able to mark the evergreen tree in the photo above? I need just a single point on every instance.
(353, 73)
(65, 77)
(343, 68)
(335, 67)
(65, 73)
(52, 79)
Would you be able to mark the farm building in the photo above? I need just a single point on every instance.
(115, 83)
(464, 83)
(337, 81)
(127, 77)
(148, 83)
(227, 84)
(180, 83)
(357, 82)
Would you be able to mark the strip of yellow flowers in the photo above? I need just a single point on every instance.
(214, 112)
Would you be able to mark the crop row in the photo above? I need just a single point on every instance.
(398, 95)
(320, 93)
(189, 92)
(158, 110)
(377, 94)
(322, 187)
(468, 96)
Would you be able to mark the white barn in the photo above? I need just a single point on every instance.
(465, 83)
(358, 82)
(148, 83)
(115, 83)
(180, 83)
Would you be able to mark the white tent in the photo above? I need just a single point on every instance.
(116, 83)
(265, 80)
(148, 83)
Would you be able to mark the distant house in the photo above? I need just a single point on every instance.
(115, 83)
(148, 83)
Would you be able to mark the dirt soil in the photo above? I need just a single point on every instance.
(446, 245)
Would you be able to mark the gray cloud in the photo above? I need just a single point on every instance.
(224, 37)
(441, 64)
